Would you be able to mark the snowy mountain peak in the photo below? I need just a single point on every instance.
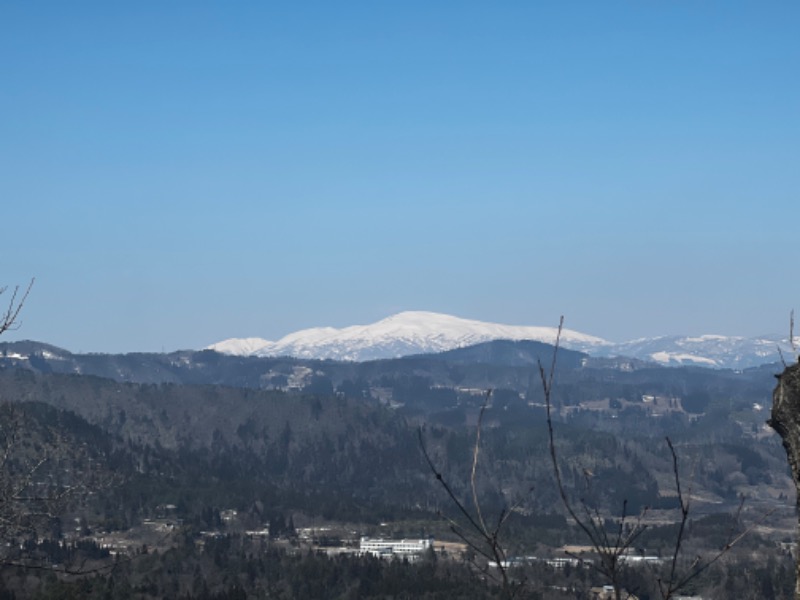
(720, 351)
(239, 346)
(418, 332)
(410, 332)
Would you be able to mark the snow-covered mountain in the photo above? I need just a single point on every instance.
(716, 351)
(240, 346)
(413, 332)
(418, 332)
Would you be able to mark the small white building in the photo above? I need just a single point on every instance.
(384, 548)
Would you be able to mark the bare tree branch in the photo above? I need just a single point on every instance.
(611, 551)
(9, 318)
(611, 545)
(475, 452)
(477, 535)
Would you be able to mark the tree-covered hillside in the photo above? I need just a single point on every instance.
(286, 441)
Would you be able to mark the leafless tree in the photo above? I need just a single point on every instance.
(481, 535)
(33, 492)
(9, 319)
(611, 548)
(610, 545)
(41, 473)
(28, 500)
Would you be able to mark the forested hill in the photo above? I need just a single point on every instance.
(342, 442)
(207, 366)
(497, 365)
(348, 431)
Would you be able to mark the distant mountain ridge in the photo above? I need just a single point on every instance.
(715, 351)
(403, 334)
(420, 332)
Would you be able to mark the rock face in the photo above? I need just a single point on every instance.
(786, 421)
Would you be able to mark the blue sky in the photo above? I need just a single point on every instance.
(177, 173)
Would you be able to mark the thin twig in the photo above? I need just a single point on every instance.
(440, 478)
(475, 452)
(592, 525)
(488, 544)
(9, 319)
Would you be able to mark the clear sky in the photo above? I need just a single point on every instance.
(176, 173)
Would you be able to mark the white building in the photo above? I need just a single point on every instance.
(384, 548)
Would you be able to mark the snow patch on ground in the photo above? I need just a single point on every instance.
(667, 358)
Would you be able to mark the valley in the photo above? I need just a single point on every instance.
(287, 444)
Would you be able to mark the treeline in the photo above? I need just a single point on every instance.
(428, 380)
(232, 568)
(345, 456)
(350, 458)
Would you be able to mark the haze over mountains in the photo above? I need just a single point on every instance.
(419, 332)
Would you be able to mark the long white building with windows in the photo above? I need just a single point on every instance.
(384, 548)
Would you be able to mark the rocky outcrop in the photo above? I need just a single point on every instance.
(786, 421)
